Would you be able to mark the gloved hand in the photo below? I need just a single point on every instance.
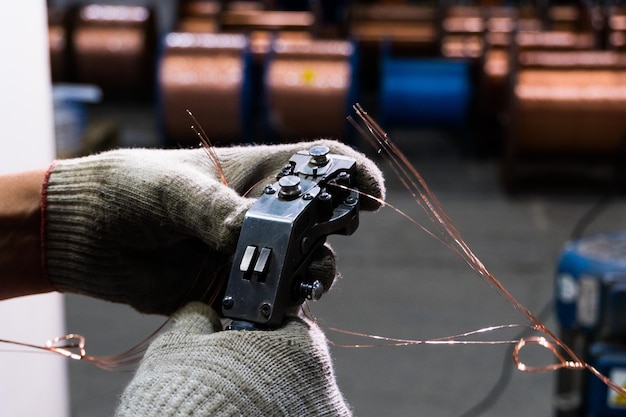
(194, 369)
(139, 226)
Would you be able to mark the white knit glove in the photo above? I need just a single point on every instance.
(139, 226)
(195, 370)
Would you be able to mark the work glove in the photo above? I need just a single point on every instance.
(152, 228)
(194, 369)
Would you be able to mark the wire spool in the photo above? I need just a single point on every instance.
(501, 23)
(493, 76)
(462, 32)
(566, 105)
(246, 21)
(408, 30)
(198, 16)
(554, 41)
(309, 87)
(405, 27)
(424, 92)
(59, 40)
(114, 48)
(616, 33)
(263, 26)
(209, 75)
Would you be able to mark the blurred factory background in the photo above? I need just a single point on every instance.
(514, 111)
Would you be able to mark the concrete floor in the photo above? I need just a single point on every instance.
(399, 282)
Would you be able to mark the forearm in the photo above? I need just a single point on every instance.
(21, 271)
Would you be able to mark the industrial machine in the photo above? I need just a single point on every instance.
(591, 311)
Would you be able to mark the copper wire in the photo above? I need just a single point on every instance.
(446, 232)
(205, 143)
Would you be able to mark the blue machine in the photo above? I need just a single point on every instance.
(591, 305)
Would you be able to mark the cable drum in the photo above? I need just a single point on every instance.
(567, 115)
(207, 74)
(309, 87)
(570, 101)
(114, 47)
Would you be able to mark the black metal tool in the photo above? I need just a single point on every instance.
(310, 200)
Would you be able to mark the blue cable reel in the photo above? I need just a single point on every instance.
(425, 92)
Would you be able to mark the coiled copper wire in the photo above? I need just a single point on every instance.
(307, 87)
(114, 47)
(204, 73)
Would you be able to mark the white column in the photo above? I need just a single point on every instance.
(31, 384)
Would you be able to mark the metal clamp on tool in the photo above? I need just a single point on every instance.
(280, 234)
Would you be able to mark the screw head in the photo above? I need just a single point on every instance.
(312, 291)
(289, 186)
(228, 302)
(325, 196)
(266, 309)
(319, 155)
(269, 189)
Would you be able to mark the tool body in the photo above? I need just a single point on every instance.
(310, 200)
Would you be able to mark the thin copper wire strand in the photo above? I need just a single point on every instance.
(205, 143)
(446, 340)
(417, 187)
